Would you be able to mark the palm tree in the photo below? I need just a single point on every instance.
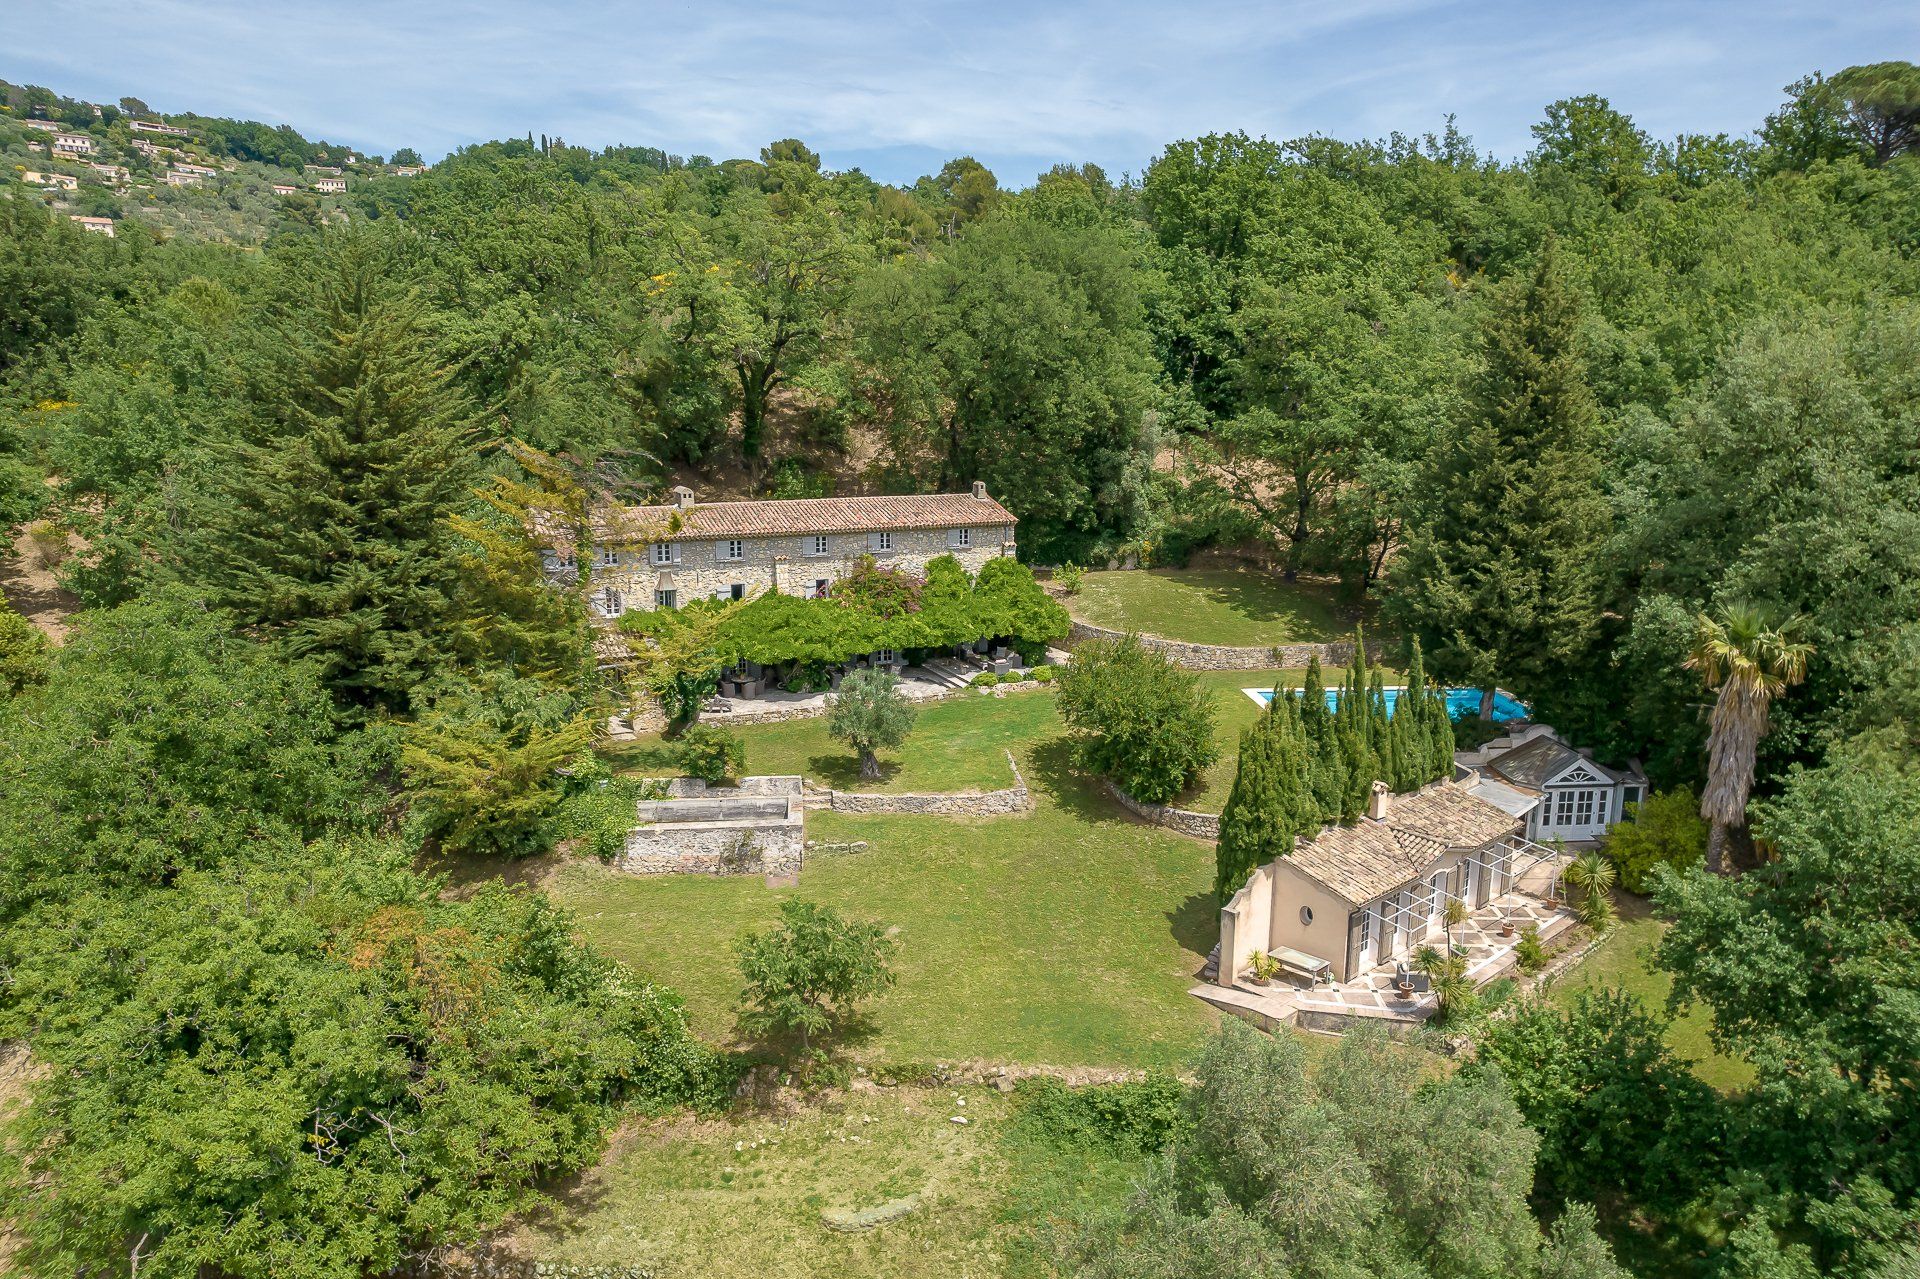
(1595, 874)
(1749, 655)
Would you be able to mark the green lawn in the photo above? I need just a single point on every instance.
(673, 1196)
(1241, 607)
(958, 743)
(1625, 960)
(1067, 936)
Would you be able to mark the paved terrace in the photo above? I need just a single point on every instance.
(1370, 997)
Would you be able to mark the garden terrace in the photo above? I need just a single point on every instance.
(1242, 608)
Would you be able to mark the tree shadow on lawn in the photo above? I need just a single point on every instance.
(1050, 770)
(1195, 923)
(842, 772)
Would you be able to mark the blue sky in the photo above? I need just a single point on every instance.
(898, 88)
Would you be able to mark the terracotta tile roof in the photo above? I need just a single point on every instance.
(1367, 859)
(1447, 813)
(795, 517)
(1361, 861)
(799, 516)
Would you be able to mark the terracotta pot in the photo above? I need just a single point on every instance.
(1256, 980)
(1506, 928)
(1405, 992)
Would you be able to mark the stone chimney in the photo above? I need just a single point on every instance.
(1379, 800)
(979, 490)
(682, 498)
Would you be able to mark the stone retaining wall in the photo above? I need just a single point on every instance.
(754, 828)
(993, 803)
(1222, 657)
(1184, 821)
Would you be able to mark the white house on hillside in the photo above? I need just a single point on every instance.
(1560, 791)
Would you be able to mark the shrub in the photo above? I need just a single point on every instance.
(712, 754)
(985, 679)
(600, 812)
(25, 655)
(1664, 830)
(1130, 1118)
(1070, 576)
(806, 975)
(1138, 719)
(1044, 674)
(1528, 952)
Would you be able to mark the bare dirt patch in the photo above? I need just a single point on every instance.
(29, 566)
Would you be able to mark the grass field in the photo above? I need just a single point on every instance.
(1066, 936)
(1625, 960)
(1241, 607)
(958, 743)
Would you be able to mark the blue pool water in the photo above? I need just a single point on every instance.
(1460, 702)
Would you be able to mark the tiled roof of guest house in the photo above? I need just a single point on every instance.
(1369, 858)
(1537, 762)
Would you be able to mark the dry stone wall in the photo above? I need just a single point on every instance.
(993, 803)
(1183, 821)
(1223, 657)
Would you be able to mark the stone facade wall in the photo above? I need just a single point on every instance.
(994, 803)
(785, 565)
(1222, 657)
(1183, 821)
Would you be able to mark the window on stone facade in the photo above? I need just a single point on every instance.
(733, 549)
(816, 545)
(819, 588)
(880, 541)
(609, 557)
(611, 603)
(959, 538)
(666, 599)
(663, 553)
(737, 591)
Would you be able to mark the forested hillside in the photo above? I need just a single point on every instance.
(281, 449)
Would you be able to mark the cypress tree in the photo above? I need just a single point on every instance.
(1326, 773)
(1293, 767)
(1253, 809)
(1498, 576)
(326, 524)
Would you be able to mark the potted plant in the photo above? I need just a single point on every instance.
(1506, 928)
(1261, 968)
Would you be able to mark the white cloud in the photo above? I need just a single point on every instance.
(1073, 80)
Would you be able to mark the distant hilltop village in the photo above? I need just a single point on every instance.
(104, 166)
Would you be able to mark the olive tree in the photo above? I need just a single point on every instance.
(869, 714)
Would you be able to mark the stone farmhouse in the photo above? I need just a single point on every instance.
(1558, 791)
(665, 556)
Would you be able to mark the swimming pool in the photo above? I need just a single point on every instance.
(1461, 702)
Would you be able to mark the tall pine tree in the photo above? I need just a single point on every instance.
(326, 526)
(1498, 577)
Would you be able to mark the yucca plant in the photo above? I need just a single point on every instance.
(1593, 874)
(1452, 991)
